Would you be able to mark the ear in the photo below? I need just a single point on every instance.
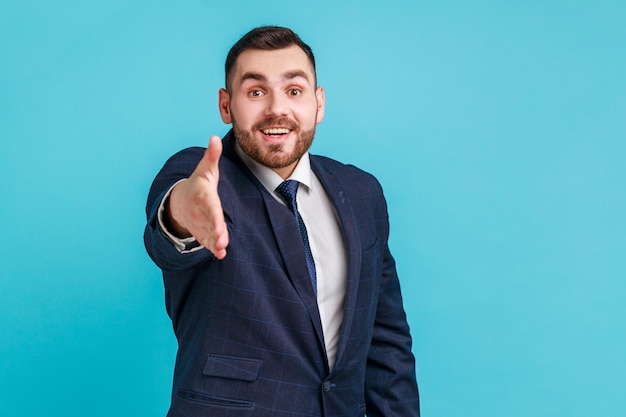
(224, 105)
(321, 104)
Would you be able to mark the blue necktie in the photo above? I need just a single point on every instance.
(287, 190)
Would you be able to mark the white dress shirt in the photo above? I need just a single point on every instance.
(325, 239)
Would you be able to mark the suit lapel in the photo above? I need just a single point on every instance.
(288, 240)
(336, 192)
(291, 247)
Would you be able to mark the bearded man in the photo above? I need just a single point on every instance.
(279, 281)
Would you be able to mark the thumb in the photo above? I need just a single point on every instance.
(208, 165)
(214, 151)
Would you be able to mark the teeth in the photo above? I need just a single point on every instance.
(276, 131)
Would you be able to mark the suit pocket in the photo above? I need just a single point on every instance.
(205, 399)
(231, 367)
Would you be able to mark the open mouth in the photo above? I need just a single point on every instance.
(276, 131)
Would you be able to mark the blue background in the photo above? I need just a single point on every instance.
(496, 128)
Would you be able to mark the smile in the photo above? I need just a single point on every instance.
(273, 131)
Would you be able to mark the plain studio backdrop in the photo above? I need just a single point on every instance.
(498, 131)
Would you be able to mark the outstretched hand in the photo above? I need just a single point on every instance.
(195, 208)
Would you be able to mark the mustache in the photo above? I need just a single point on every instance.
(283, 121)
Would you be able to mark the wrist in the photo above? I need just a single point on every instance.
(170, 222)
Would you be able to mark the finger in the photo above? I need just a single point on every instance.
(219, 251)
(213, 235)
(208, 165)
(221, 243)
(214, 150)
(216, 244)
(220, 237)
(220, 254)
(222, 240)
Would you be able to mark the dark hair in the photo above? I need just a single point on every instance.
(266, 38)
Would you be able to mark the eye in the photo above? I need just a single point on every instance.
(255, 93)
(294, 92)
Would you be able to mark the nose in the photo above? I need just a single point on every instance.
(277, 105)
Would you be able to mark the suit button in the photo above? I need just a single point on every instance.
(328, 386)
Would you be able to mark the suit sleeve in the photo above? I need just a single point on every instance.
(162, 251)
(390, 383)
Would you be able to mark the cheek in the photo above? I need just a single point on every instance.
(307, 114)
(245, 115)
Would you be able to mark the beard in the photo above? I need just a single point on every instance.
(275, 155)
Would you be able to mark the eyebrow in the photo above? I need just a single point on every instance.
(289, 75)
(252, 76)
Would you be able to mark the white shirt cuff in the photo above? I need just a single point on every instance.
(182, 245)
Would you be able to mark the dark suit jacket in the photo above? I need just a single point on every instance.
(248, 328)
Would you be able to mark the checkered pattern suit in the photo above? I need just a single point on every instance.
(248, 328)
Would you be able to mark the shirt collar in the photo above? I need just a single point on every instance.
(269, 178)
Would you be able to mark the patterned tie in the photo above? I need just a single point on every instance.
(287, 190)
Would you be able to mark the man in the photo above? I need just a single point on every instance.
(283, 295)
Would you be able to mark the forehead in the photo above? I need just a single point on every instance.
(273, 64)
